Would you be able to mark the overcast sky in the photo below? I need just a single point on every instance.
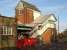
(58, 7)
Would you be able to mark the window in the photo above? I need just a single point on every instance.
(9, 31)
(39, 27)
(20, 12)
(1, 30)
(6, 30)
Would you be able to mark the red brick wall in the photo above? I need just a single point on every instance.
(47, 35)
(29, 16)
(26, 17)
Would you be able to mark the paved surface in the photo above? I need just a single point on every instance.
(34, 48)
(39, 47)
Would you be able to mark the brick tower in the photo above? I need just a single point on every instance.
(24, 12)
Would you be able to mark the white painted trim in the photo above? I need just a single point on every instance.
(6, 30)
(11, 30)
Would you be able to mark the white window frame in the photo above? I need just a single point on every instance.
(19, 11)
(11, 31)
(6, 30)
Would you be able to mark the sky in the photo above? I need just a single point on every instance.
(58, 7)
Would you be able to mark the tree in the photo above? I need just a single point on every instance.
(65, 33)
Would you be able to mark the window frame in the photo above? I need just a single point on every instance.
(5, 30)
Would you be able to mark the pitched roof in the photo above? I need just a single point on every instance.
(53, 16)
(28, 5)
(7, 17)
